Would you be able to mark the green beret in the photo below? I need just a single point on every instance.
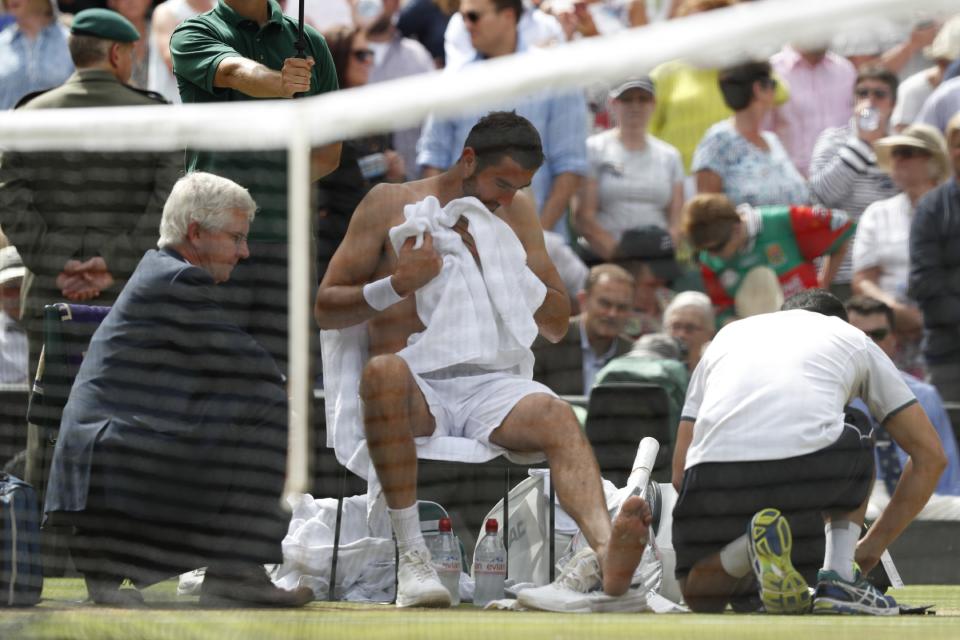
(105, 24)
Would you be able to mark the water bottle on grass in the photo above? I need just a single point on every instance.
(445, 554)
(489, 566)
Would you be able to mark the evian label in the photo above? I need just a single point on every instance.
(495, 567)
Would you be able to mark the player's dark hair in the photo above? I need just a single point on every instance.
(504, 133)
(818, 301)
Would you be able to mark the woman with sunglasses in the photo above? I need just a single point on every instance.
(917, 162)
(843, 171)
(364, 162)
(736, 156)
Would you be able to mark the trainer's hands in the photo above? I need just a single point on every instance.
(295, 76)
(867, 555)
(416, 267)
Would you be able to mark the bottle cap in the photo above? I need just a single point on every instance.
(492, 525)
(444, 525)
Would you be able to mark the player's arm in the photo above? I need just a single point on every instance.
(684, 437)
(324, 160)
(553, 316)
(348, 294)
(911, 429)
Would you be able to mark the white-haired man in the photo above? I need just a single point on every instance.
(171, 453)
(689, 318)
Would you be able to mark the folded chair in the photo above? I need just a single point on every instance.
(67, 329)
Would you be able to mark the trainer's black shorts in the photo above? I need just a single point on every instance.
(718, 499)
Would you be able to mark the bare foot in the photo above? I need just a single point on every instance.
(627, 541)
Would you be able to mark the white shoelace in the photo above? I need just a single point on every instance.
(417, 560)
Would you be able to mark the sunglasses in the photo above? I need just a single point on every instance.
(878, 334)
(768, 83)
(866, 92)
(717, 246)
(362, 55)
(905, 153)
(472, 16)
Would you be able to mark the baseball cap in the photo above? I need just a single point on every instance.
(651, 245)
(643, 82)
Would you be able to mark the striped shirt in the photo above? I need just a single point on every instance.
(844, 175)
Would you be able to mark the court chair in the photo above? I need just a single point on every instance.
(619, 416)
(429, 462)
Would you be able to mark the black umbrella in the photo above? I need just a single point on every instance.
(300, 44)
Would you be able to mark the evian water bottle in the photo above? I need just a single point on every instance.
(445, 554)
(489, 566)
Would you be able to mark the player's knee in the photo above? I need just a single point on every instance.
(699, 602)
(559, 420)
(382, 373)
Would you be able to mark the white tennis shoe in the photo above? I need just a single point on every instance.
(418, 584)
(579, 589)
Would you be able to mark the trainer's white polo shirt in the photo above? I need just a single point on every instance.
(774, 386)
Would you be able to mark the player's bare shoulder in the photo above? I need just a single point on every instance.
(521, 215)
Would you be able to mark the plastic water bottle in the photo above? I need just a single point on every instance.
(489, 566)
(445, 554)
(868, 119)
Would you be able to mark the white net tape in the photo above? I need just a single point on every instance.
(716, 38)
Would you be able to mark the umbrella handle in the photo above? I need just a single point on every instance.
(300, 45)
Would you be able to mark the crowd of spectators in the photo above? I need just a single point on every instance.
(673, 203)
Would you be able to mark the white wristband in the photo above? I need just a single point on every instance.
(381, 294)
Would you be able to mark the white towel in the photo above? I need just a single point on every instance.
(481, 318)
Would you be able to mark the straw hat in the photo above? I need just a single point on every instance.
(946, 46)
(920, 136)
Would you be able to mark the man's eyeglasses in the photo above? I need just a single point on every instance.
(877, 335)
(905, 153)
(768, 83)
(472, 16)
(686, 327)
(866, 92)
(362, 55)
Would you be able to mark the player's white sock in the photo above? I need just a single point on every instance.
(842, 536)
(735, 559)
(406, 527)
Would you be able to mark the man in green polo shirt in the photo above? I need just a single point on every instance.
(244, 50)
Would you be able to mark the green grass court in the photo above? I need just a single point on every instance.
(62, 614)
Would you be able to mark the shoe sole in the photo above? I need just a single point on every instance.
(829, 606)
(557, 601)
(428, 601)
(633, 600)
(220, 602)
(782, 589)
